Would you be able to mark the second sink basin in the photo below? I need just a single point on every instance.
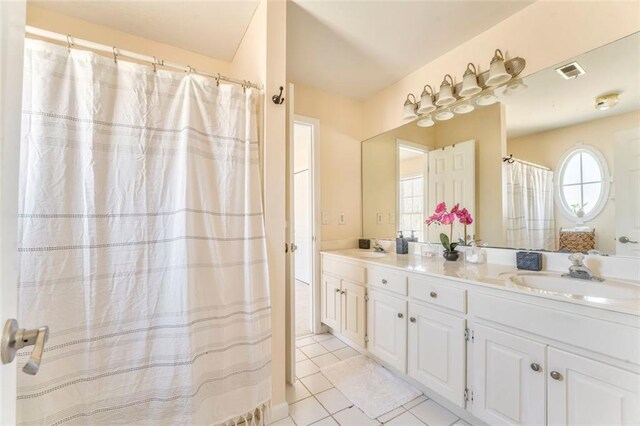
(555, 283)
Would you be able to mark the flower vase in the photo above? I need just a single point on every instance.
(451, 255)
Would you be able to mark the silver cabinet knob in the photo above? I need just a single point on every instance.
(14, 339)
(433, 295)
(535, 367)
(384, 281)
(625, 240)
(343, 292)
(400, 315)
(412, 319)
(555, 375)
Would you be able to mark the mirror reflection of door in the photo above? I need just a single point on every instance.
(303, 134)
(627, 165)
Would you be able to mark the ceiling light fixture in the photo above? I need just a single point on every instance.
(498, 71)
(464, 108)
(445, 96)
(444, 115)
(607, 101)
(470, 82)
(518, 86)
(426, 101)
(409, 109)
(487, 99)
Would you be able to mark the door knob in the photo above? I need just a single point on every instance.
(14, 339)
(625, 240)
(535, 367)
(293, 247)
(555, 375)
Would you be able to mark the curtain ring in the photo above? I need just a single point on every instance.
(115, 54)
(69, 43)
(218, 80)
(155, 64)
(189, 69)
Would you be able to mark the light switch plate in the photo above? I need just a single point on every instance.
(342, 218)
(379, 218)
(392, 218)
(325, 218)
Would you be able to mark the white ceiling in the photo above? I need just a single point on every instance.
(210, 27)
(552, 102)
(356, 48)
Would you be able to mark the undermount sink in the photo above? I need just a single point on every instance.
(555, 283)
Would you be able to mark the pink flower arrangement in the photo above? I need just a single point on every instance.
(443, 217)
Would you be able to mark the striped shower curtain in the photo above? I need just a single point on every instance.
(141, 245)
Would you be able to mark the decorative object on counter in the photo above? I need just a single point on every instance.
(475, 254)
(577, 240)
(529, 261)
(402, 244)
(443, 217)
(364, 244)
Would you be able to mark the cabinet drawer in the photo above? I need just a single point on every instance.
(439, 292)
(348, 271)
(387, 280)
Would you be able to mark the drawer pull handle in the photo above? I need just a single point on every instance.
(535, 367)
(412, 319)
(433, 294)
(400, 315)
(384, 281)
(555, 375)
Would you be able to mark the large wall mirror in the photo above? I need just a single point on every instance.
(548, 162)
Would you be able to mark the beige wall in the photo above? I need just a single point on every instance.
(487, 127)
(265, 34)
(340, 182)
(544, 33)
(380, 177)
(546, 148)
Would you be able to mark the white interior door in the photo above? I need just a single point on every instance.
(627, 192)
(452, 179)
(303, 191)
(12, 23)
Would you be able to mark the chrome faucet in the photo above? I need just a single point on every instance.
(378, 247)
(579, 270)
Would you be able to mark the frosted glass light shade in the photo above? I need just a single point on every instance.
(498, 72)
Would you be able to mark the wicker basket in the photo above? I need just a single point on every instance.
(577, 242)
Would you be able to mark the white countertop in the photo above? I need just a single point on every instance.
(488, 275)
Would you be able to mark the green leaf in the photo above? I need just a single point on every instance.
(453, 246)
(444, 239)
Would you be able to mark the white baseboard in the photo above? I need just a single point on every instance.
(278, 412)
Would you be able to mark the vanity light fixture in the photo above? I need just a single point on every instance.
(470, 82)
(607, 101)
(425, 122)
(445, 95)
(487, 99)
(463, 108)
(518, 86)
(409, 110)
(426, 101)
(498, 72)
(444, 115)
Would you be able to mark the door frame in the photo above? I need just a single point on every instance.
(316, 325)
(12, 24)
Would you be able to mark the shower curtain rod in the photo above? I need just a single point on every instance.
(117, 53)
(510, 160)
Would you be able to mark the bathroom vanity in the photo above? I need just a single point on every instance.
(508, 347)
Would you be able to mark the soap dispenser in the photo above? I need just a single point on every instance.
(402, 244)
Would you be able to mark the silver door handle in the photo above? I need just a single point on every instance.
(14, 339)
(625, 240)
(293, 247)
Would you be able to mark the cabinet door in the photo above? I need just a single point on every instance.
(437, 351)
(331, 301)
(387, 329)
(353, 312)
(508, 378)
(586, 392)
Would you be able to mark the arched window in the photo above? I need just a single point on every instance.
(582, 182)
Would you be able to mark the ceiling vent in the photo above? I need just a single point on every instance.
(571, 70)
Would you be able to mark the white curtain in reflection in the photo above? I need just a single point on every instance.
(530, 222)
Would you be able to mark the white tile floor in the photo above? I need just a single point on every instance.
(314, 401)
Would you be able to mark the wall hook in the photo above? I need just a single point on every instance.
(278, 99)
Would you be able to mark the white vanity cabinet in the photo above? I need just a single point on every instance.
(437, 351)
(387, 329)
(506, 357)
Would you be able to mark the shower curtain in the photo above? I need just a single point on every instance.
(141, 245)
(530, 221)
